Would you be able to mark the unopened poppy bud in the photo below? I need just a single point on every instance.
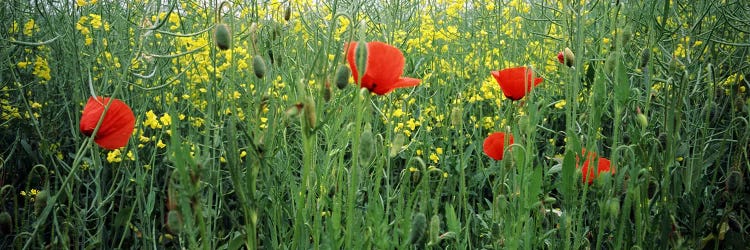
(288, 12)
(366, 146)
(614, 207)
(418, 226)
(342, 76)
(609, 65)
(641, 118)
(645, 56)
(253, 28)
(294, 110)
(223, 36)
(434, 229)
(326, 92)
(456, 117)
(396, 145)
(259, 67)
(174, 222)
(6, 223)
(40, 201)
(734, 181)
(569, 57)
(360, 56)
(310, 112)
(626, 35)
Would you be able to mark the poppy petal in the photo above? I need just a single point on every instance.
(603, 165)
(515, 81)
(402, 82)
(494, 145)
(385, 64)
(116, 127)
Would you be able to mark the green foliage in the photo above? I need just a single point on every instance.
(240, 141)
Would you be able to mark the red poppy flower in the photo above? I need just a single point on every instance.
(516, 82)
(560, 57)
(494, 145)
(116, 127)
(385, 64)
(590, 174)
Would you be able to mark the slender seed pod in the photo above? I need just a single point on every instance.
(259, 67)
(223, 36)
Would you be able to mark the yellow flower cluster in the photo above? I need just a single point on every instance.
(85, 25)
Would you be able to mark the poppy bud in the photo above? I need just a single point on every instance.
(310, 112)
(613, 205)
(223, 36)
(366, 146)
(288, 12)
(360, 56)
(6, 223)
(569, 57)
(434, 229)
(396, 145)
(174, 222)
(40, 201)
(456, 117)
(641, 118)
(418, 226)
(645, 56)
(294, 110)
(734, 181)
(259, 67)
(326, 91)
(342, 76)
(626, 35)
(609, 65)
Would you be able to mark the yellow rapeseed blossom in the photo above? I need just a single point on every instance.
(434, 158)
(165, 119)
(30, 27)
(160, 144)
(114, 156)
(560, 104)
(41, 69)
(151, 120)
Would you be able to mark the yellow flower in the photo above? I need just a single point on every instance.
(560, 104)
(28, 28)
(151, 120)
(160, 144)
(434, 158)
(165, 119)
(114, 156)
(398, 113)
(439, 151)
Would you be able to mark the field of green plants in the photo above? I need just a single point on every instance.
(358, 124)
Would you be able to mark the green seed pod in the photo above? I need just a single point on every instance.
(366, 146)
(288, 12)
(645, 56)
(396, 145)
(418, 226)
(40, 201)
(6, 223)
(342, 76)
(360, 57)
(259, 67)
(223, 36)
(174, 222)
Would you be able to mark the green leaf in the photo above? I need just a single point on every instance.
(451, 220)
